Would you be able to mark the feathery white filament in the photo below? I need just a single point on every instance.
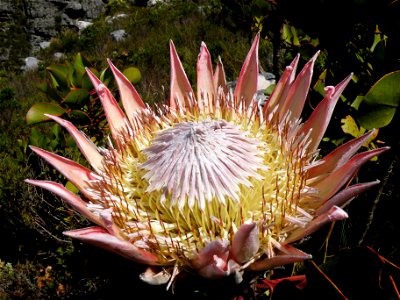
(199, 161)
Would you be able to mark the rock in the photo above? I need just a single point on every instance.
(58, 55)
(82, 24)
(265, 79)
(155, 2)
(31, 63)
(118, 35)
(74, 10)
(45, 19)
(26, 26)
(110, 20)
(44, 45)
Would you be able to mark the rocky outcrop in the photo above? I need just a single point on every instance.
(25, 24)
(47, 17)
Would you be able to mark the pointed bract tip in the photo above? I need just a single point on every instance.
(93, 78)
(329, 90)
(34, 148)
(55, 118)
(29, 181)
(314, 57)
(112, 66)
(337, 214)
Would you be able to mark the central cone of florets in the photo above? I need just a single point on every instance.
(199, 161)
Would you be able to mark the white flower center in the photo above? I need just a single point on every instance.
(200, 161)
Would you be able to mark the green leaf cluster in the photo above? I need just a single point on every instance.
(70, 95)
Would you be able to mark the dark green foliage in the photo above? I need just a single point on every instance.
(70, 95)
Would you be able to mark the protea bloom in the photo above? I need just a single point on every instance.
(210, 182)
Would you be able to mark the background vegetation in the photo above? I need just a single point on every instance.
(360, 36)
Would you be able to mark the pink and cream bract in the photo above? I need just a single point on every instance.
(210, 182)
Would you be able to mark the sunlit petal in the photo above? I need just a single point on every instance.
(181, 90)
(88, 149)
(101, 238)
(115, 115)
(69, 197)
(205, 80)
(339, 156)
(319, 119)
(345, 196)
(298, 92)
(78, 175)
(130, 98)
(246, 86)
(333, 214)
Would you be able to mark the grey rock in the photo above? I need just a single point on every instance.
(155, 2)
(110, 20)
(31, 63)
(82, 24)
(46, 18)
(58, 55)
(44, 45)
(118, 35)
(265, 79)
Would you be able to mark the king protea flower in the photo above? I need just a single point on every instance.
(210, 182)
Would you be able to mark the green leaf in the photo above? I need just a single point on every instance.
(79, 117)
(350, 126)
(133, 74)
(86, 83)
(377, 117)
(50, 91)
(79, 65)
(55, 138)
(296, 40)
(356, 103)
(79, 71)
(386, 91)
(42, 86)
(379, 39)
(381, 102)
(270, 89)
(319, 86)
(59, 75)
(37, 138)
(75, 77)
(69, 186)
(70, 142)
(106, 76)
(77, 96)
(36, 112)
(56, 130)
(286, 34)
